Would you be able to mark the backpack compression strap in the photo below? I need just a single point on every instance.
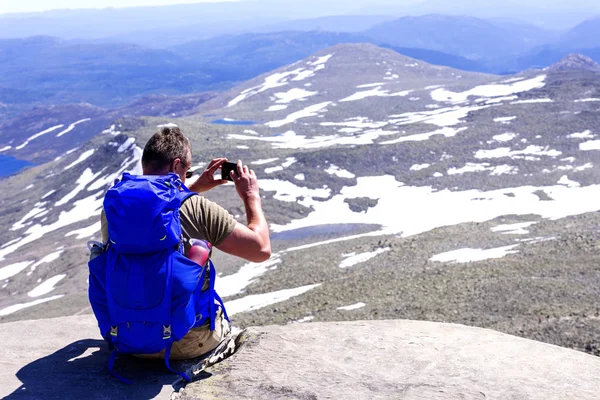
(168, 364)
(111, 365)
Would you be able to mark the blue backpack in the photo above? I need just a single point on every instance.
(144, 292)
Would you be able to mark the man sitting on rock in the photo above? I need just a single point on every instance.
(169, 151)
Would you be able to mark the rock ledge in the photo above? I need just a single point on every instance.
(64, 358)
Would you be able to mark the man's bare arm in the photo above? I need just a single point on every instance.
(250, 242)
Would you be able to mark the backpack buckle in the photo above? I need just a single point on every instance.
(166, 332)
(114, 331)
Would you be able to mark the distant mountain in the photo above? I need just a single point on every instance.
(146, 25)
(53, 71)
(468, 37)
(207, 18)
(583, 36)
(439, 58)
(583, 39)
(552, 15)
(246, 56)
(249, 55)
(551, 55)
(353, 71)
(532, 35)
(45, 70)
(334, 23)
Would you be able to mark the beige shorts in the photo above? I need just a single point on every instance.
(197, 342)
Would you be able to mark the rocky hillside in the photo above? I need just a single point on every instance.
(393, 188)
(49, 132)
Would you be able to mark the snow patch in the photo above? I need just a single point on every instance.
(37, 211)
(48, 194)
(290, 140)
(126, 145)
(47, 259)
(289, 161)
(289, 192)
(370, 85)
(264, 161)
(504, 120)
(507, 152)
(442, 117)
(425, 208)
(375, 92)
(505, 137)
(513, 229)
(278, 107)
(112, 130)
(352, 307)
(587, 100)
(84, 156)
(582, 135)
(533, 101)
(85, 179)
(82, 210)
(292, 95)
(493, 90)
(320, 60)
(447, 132)
(339, 172)
(17, 307)
(46, 287)
(564, 180)
(232, 285)
(37, 135)
(13, 269)
(590, 145)
(257, 301)
(86, 233)
(472, 255)
(72, 126)
(353, 259)
(419, 167)
(310, 111)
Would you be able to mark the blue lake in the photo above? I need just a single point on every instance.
(234, 122)
(10, 165)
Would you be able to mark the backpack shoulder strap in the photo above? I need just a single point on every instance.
(185, 193)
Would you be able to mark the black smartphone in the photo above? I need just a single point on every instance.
(226, 168)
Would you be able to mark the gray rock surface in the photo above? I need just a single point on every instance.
(396, 360)
(64, 358)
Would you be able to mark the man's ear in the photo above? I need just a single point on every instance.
(172, 165)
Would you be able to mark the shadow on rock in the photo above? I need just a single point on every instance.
(80, 371)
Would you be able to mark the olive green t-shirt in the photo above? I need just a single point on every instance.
(200, 219)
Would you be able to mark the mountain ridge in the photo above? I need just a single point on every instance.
(575, 62)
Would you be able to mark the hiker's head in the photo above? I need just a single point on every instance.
(168, 150)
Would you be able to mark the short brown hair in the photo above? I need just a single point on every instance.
(165, 146)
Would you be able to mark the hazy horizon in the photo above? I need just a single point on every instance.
(98, 19)
(572, 6)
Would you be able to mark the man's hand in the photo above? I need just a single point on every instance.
(245, 181)
(250, 242)
(207, 180)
